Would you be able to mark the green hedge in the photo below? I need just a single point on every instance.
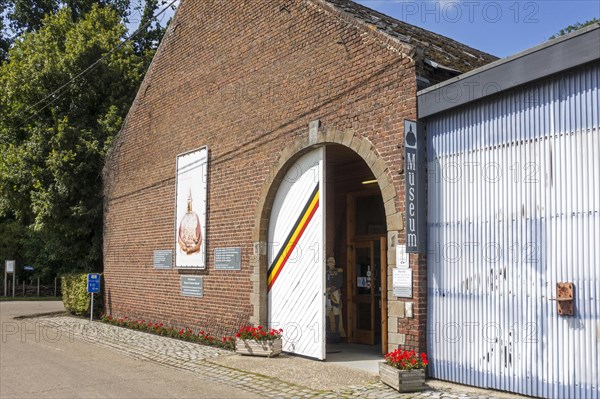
(75, 296)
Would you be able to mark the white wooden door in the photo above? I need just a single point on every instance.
(296, 275)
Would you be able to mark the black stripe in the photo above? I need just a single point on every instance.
(289, 237)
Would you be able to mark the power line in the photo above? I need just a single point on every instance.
(89, 68)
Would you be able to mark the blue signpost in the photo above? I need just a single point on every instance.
(93, 286)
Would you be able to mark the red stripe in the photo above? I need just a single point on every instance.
(294, 244)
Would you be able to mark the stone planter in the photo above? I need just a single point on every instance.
(258, 348)
(402, 380)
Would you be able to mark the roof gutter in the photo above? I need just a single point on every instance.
(548, 58)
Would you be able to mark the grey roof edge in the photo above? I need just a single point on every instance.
(451, 54)
(548, 58)
(348, 17)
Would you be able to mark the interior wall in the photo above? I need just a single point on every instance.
(345, 174)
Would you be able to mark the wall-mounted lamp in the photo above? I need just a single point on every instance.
(369, 182)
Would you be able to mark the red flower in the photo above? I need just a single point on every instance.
(406, 360)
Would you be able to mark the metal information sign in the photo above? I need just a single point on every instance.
(93, 280)
(163, 259)
(10, 266)
(402, 282)
(192, 286)
(93, 286)
(414, 170)
(402, 260)
(228, 258)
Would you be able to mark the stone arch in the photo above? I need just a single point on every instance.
(363, 148)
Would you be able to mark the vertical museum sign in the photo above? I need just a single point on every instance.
(414, 170)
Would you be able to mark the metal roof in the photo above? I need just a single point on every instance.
(548, 58)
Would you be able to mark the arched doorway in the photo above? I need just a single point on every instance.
(355, 231)
(357, 240)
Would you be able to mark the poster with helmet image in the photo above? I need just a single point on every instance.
(190, 209)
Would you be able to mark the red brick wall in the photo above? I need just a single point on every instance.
(244, 78)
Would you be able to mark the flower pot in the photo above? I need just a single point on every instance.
(402, 380)
(258, 348)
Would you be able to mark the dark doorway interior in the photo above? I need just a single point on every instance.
(356, 254)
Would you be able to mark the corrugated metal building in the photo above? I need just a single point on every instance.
(513, 221)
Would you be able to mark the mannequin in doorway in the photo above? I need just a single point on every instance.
(335, 280)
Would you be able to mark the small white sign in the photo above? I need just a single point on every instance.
(401, 256)
(402, 282)
(10, 266)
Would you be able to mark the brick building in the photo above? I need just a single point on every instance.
(296, 110)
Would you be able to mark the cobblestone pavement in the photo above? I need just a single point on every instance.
(195, 358)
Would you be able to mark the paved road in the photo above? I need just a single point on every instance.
(67, 357)
(41, 362)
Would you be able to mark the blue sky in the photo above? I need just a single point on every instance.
(500, 27)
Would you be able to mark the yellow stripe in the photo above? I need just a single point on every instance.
(293, 238)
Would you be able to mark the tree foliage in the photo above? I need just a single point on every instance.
(52, 146)
(574, 27)
(21, 16)
(4, 39)
(27, 15)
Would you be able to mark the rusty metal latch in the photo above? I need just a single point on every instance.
(564, 298)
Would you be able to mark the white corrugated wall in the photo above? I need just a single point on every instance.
(513, 209)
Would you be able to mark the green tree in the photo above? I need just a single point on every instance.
(21, 16)
(4, 39)
(149, 38)
(52, 146)
(574, 27)
(27, 15)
